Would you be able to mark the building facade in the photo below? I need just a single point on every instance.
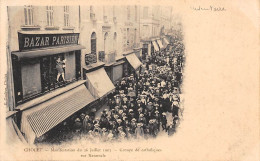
(44, 67)
(62, 59)
(155, 22)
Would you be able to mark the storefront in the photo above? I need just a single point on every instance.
(118, 70)
(44, 60)
(47, 81)
(144, 51)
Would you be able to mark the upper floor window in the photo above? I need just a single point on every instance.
(66, 16)
(135, 13)
(28, 15)
(114, 11)
(145, 12)
(91, 9)
(49, 15)
(128, 12)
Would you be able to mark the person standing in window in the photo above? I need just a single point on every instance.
(60, 66)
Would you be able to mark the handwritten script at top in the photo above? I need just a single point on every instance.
(210, 8)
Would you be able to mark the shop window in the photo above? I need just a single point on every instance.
(49, 72)
(49, 15)
(70, 74)
(35, 77)
(28, 15)
(66, 16)
(30, 77)
(145, 12)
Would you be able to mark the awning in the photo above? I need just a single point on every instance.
(166, 41)
(156, 48)
(134, 61)
(99, 83)
(13, 135)
(160, 44)
(40, 119)
(47, 51)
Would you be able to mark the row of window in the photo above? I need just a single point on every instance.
(28, 16)
(114, 13)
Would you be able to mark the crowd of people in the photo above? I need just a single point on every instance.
(144, 103)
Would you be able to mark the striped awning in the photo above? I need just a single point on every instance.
(160, 44)
(99, 83)
(165, 40)
(134, 61)
(38, 120)
(156, 48)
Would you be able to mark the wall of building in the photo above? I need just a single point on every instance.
(17, 16)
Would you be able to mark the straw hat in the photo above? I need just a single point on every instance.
(77, 120)
(133, 120)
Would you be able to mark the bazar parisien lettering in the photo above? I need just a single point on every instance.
(30, 41)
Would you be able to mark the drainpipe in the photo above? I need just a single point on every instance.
(9, 75)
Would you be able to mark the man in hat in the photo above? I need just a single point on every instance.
(133, 125)
(151, 128)
(82, 117)
(77, 125)
(150, 107)
(170, 129)
(85, 124)
(139, 131)
(104, 134)
(164, 121)
(142, 119)
(175, 109)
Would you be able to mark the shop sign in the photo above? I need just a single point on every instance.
(35, 41)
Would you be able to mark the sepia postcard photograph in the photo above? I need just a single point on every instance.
(130, 80)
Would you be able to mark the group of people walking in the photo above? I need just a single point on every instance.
(144, 104)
